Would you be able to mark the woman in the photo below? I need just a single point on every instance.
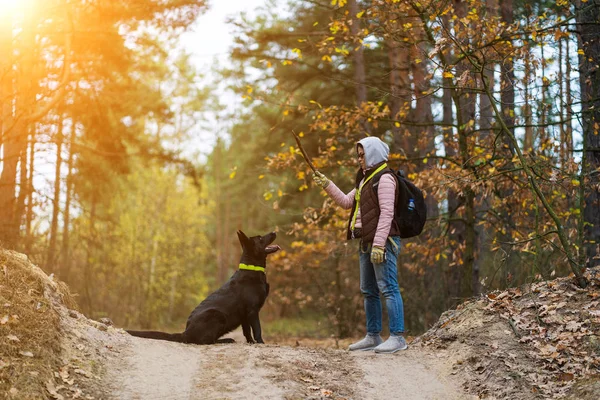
(372, 221)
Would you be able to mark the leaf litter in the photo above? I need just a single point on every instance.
(540, 340)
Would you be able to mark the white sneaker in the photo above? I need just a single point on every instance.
(369, 342)
(392, 345)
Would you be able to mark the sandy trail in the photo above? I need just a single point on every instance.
(153, 369)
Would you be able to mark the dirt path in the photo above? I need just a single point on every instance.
(152, 369)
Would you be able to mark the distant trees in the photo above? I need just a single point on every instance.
(83, 103)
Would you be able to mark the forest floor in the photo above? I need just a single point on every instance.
(539, 341)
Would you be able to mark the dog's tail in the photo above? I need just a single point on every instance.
(172, 337)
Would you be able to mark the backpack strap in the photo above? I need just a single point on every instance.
(359, 190)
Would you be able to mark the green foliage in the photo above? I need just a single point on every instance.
(144, 258)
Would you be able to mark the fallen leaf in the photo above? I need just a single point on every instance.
(53, 391)
(82, 372)
(13, 338)
(26, 353)
(565, 376)
(4, 320)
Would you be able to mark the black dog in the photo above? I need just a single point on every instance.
(236, 303)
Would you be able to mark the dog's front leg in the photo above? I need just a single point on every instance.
(255, 324)
(247, 333)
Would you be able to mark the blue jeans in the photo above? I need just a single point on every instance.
(382, 278)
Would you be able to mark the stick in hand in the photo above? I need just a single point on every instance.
(310, 164)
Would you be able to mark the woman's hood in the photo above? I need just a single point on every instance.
(376, 151)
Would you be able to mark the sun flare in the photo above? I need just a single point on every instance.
(9, 6)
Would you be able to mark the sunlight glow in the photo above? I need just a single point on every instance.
(11, 6)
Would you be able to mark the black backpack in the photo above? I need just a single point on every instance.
(411, 211)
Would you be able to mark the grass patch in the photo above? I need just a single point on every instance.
(307, 327)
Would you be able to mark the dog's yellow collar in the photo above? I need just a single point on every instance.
(252, 268)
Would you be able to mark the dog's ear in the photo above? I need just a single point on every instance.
(242, 237)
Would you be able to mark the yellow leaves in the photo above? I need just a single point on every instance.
(344, 51)
(297, 244)
(472, 15)
(448, 74)
(580, 52)
(442, 255)
(360, 14)
(336, 27)
(279, 193)
(397, 124)
(261, 176)
(316, 23)
(418, 61)
(233, 172)
(326, 58)
(575, 182)
(267, 63)
(315, 102)
(425, 160)
(267, 196)
(407, 26)
(300, 175)
(340, 3)
(286, 62)
(298, 52)
(248, 93)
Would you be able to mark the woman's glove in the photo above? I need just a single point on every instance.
(377, 255)
(320, 179)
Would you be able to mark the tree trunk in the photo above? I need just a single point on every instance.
(51, 264)
(7, 157)
(453, 276)
(464, 227)
(358, 58)
(588, 15)
(66, 250)
(569, 100)
(15, 140)
(29, 215)
(423, 131)
(528, 140)
(220, 243)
